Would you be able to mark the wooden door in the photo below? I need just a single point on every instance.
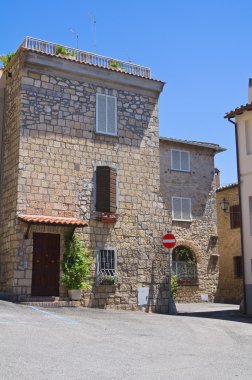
(46, 264)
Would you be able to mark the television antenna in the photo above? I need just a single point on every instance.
(93, 22)
(77, 37)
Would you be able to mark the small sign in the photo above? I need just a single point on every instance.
(169, 240)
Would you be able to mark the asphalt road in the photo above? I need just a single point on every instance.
(205, 342)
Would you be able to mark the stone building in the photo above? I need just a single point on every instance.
(81, 152)
(230, 286)
(188, 184)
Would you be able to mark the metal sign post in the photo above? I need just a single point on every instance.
(169, 242)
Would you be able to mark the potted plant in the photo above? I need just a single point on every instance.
(116, 65)
(62, 51)
(76, 267)
(106, 279)
(108, 218)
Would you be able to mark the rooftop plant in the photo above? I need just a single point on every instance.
(5, 59)
(62, 50)
(116, 65)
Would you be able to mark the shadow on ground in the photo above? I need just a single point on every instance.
(225, 315)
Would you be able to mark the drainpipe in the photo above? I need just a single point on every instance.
(241, 220)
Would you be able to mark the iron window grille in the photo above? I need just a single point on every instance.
(106, 266)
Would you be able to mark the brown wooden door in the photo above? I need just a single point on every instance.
(46, 264)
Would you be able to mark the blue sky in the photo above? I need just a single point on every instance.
(200, 48)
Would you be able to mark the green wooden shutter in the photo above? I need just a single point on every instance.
(105, 189)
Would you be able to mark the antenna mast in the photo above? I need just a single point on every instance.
(93, 21)
(77, 37)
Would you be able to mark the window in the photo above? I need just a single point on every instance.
(237, 266)
(180, 160)
(106, 114)
(181, 209)
(184, 264)
(248, 137)
(106, 266)
(105, 189)
(235, 216)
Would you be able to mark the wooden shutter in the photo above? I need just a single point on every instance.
(175, 159)
(176, 208)
(111, 115)
(237, 266)
(101, 113)
(112, 190)
(186, 208)
(105, 189)
(235, 216)
(185, 165)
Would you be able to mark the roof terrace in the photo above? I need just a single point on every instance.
(85, 57)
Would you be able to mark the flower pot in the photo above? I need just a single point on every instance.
(75, 294)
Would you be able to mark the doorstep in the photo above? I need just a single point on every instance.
(47, 302)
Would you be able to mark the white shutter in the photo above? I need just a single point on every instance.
(111, 115)
(100, 113)
(185, 157)
(176, 208)
(186, 208)
(175, 159)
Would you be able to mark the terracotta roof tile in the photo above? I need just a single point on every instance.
(52, 220)
(238, 110)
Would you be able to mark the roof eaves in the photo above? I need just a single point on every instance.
(215, 147)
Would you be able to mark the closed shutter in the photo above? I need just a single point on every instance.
(111, 115)
(105, 189)
(101, 113)
(175, 159)
(185, 161)
(186, 208)
(176, 208)
(112, 190)
(235, 216)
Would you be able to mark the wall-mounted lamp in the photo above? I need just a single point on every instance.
(224, 205)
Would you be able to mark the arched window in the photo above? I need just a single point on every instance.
(184, 264)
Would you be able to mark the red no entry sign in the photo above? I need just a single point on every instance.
(169, 240)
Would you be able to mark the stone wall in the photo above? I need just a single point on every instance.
(230, 288)
(200, 233)
(9, 174)
(59, 150)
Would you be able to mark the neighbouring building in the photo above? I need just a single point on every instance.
(188, 185)
(243, 132)
(230, 285)
(81, 151)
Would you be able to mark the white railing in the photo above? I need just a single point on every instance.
(83, 56)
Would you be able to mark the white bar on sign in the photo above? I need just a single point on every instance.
(169, 241)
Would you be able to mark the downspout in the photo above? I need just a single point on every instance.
(241, 219)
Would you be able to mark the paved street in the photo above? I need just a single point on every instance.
(204, 342)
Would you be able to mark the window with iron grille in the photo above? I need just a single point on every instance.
(106, 114)
(184, 264)
(237, 260)
(235, 216)
(106, 265)
(105, 189)
(180, 160)
(181, 209)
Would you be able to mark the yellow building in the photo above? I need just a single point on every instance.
(230, 287)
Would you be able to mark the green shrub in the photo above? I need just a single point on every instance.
(6, 58)
(76, 265)
(61, 50)
(174, 285)
(116, 65)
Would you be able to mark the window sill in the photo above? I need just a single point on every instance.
(106, 134)
(181, 171)
(182, 220)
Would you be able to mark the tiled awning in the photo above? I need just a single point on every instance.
(52, 220)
